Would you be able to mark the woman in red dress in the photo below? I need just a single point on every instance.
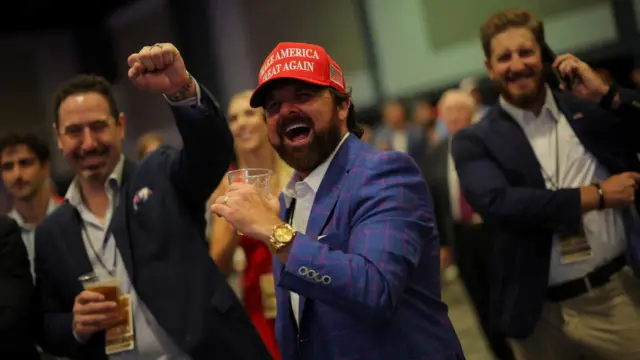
(257, 289)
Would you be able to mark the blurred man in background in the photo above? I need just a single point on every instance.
(26, 167)
(398, 133)
(463, 234)
(470, 86)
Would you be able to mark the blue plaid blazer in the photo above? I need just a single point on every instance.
(367, 270)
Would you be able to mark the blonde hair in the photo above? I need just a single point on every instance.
(240, 95)
(147, 139)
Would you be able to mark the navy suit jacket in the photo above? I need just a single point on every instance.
(163, 249)
(17, 336)
(367, 269)
(501, 179)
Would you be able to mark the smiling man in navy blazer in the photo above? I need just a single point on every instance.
(141, 224)
(555, 176)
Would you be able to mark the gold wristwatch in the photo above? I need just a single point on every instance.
(282, 235)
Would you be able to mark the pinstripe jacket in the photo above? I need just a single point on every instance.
(367, 269)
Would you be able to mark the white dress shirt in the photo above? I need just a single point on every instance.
(604, 229)
(304, 191)
(400, 142)
(454, 186)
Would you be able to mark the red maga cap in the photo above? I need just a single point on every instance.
(299, 61)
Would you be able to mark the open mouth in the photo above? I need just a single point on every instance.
(297, 133)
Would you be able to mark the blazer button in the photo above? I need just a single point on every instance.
(326, 279)
(303, 270)
(311, 274)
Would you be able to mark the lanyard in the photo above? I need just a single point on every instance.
(85, 232)
(555, 182)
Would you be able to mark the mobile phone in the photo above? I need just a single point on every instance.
(548, 56)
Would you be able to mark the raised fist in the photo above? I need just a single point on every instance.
(159, 69)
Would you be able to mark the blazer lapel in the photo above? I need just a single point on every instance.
(592, 133)
(513, 147)
(73, 243)
(118, 226)
(329, 189)
(577, 120)
(328, 194)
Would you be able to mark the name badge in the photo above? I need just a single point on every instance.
(120, 337)
(574, 248)
(268, 294)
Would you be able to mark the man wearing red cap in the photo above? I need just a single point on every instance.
(358, 270)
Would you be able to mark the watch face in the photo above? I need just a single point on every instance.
(283, 234)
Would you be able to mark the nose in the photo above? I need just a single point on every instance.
(88, 140)
(516, 64)
(287, 108)
(15, 172)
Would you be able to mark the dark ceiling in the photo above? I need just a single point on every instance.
(25, 16)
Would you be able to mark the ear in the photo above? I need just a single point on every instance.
(121, 124)
(343, 109)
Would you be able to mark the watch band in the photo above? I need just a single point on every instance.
(601, 194)
(276, 243)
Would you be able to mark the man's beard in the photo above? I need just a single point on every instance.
(521, 100)
(94, 172)
(306, 159)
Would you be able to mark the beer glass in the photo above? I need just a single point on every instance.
(259, 178)
(104, 284)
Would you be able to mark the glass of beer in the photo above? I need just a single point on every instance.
(258, 177)
(102, 284)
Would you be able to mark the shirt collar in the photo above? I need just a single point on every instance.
(113, 182)
(314, 179)
(15, 215)
(522, 116)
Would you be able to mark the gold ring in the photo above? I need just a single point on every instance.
(225, 200)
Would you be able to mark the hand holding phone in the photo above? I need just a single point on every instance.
(577, 76)
(548, 56)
